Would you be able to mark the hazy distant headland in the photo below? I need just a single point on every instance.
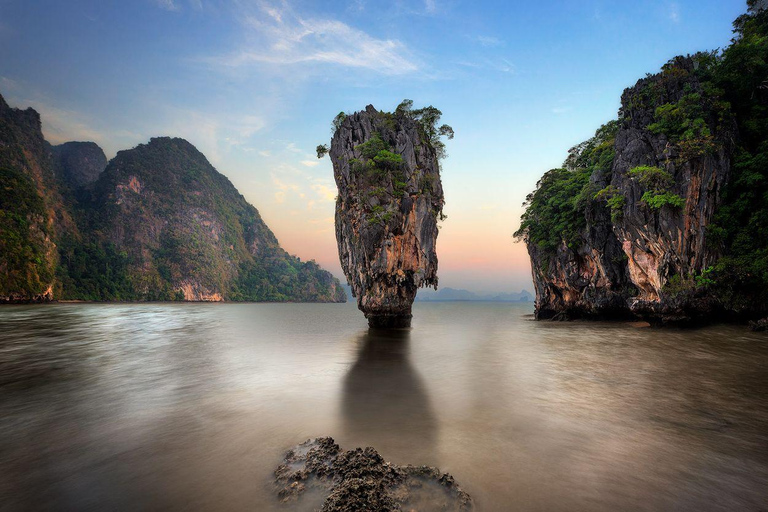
(453, 294)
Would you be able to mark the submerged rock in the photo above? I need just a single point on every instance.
(759, 325)
(386, 167)
(319, 472)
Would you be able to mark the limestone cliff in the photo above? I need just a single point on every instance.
(624, 228)
(386, 167)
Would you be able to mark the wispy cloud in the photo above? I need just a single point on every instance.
(430, 6)
(309, 163)
(501, 65)
(175, 5)
(489, 41)
(282, 188)
(325, 192)
(168, 5)
(674, 12)
(278, 36)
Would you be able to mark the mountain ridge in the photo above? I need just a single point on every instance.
(156, 222)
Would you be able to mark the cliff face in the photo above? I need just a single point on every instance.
(159, 223)
(668, 241)
(390, 199)
(30, 209)
(651, 184)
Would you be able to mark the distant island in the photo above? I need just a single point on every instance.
(663, 214)
(156, 223)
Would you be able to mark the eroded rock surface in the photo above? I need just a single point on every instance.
(319, 474)
(390, 199)
(643, 244)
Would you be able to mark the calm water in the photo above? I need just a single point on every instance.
(168, 407)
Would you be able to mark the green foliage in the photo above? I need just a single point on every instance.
(388, 160)
(684, 124)
(657, 200)
(740, 227)
(597, 153)
(555, 211)
(615, 201)
(428, 117)
(25, 265)
(658, 182)
(552, 215)
(652, 177)
(95, 272)
(337, 121)
(372, 147)
(678, 285)
(322, 150)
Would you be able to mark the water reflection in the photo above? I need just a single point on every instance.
(384, 401)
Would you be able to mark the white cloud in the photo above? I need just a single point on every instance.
(277, 36)
(430, 6)
(168, 5)
(309, 163)
(265, 153)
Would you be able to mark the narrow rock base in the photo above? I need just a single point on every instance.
(389, 321)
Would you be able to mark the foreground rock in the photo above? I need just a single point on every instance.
(319, 472)
(390, 200)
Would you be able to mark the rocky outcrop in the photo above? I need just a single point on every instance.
(78, 163)
(390, 199)
(319, 472)
(643, 244)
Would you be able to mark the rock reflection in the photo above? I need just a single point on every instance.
(385, 403)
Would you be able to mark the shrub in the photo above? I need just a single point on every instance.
(615, 201)
(657, 200)
(652, 178)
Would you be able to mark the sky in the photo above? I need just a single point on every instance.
(255, 84)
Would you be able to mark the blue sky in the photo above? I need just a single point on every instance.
(255, 84)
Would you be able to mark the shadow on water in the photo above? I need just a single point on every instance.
(384, 401)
